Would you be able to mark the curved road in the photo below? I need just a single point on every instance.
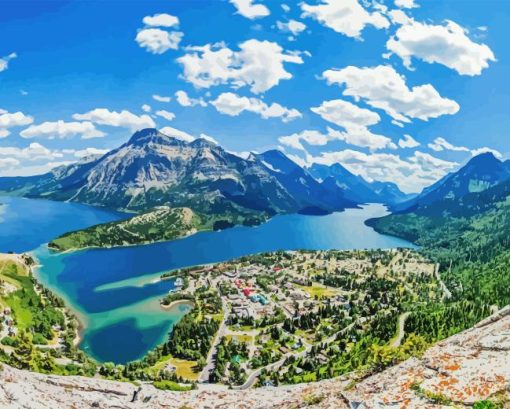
(401, 331)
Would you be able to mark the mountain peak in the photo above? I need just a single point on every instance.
(484, 159)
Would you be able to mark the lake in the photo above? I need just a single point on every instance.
(115, 292)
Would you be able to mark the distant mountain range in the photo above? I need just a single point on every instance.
(356, 188)
(467, 211)
(153, 169)
(481, 173)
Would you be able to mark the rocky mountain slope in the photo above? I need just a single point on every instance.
(480, 173)
(461, 371)
(154, 169)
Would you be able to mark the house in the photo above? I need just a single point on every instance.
(178, 283)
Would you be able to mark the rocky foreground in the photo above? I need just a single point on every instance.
(457, 372)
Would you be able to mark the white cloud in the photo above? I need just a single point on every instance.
(405, 4)
(60, 129)
(177, 134)
(485, 149)
(441, 144)
(292, 26)
(161, 20)
(158, 41)
(411, 174)
(248, 9)
(8, 163)
(382, 87)
(408, 142)
(362, 137)
(347, 17)
(33, 169)
(10, 120)
(443, 44)
(399, 17)
(4, 61)
(169, 116)
(346, 114)
(186, 101)
(258, 64)
(125, 119)
(285, 7)
(34, 151)
(161, 98)
(82, 153)
(356, 135)
(146, 108)
(311, 137)
(232, 104)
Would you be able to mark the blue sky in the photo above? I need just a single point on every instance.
(325, 80)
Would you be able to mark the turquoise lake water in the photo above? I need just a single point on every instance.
(115, 291)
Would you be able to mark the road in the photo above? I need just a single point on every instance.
(401, 331)
(446, 292)
(254, 375)
(209, 367)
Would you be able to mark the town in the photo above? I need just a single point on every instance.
(297, 316)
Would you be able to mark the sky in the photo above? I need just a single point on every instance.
(395, 90)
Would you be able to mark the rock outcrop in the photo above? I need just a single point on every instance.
(457, 372)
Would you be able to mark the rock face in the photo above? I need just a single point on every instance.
(479, 174)
(457, 372)
(154, 169)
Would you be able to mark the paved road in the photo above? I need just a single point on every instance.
(209, 367)
(401, 331)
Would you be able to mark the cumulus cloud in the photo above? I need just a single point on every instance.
(346, 114)
(169, 116)
(250, 9)
(347, 17)
(161, 98)
(408, 142)
(258, 64)
(406, 4)
(10, 120)
(161, 20)
(124, 119)
(158, 41)
(383, 88)
(177, 134)
(357, 136)
(441, 144)
(82, 153)
(292, 26)
(146, 108)
(446, 44)
(60, 130)
(4, 61)
(411, 174)
(34, 151)
(232, 104)
(185, 100)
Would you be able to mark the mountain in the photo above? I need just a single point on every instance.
(355, 187)
(301, 184)
(480, 173)
(153, 169)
